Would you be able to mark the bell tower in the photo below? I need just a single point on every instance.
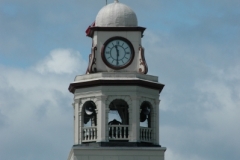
(116, 104)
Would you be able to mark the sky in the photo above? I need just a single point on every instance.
(191, 45)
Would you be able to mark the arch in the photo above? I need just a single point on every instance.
(118, 128)
(120, 108)
(149, 132)
(89, 114)
(88, 105)
(83, 100)
(126, 99)
(151, 101)
(152, 112)
(146, 110)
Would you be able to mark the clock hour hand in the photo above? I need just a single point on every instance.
(117, 53)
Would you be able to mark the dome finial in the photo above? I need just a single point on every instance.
(116, 1)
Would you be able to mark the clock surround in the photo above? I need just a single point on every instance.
(121, 53)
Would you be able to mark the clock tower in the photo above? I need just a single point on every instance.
(116, 104)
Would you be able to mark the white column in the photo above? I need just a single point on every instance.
(74, 123)
(134, 122)
(81, 125)
(101, 119)
(77, 121)
(156, 122)
(106, 123)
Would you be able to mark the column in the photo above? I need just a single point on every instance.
(106, 123)
(101, 118)
(134, 122)
(156, 122)
(77, 121)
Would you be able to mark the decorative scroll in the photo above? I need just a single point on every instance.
(88, 31)
(143, 68)
(92, 68)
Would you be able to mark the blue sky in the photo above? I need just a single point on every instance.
(192, 46)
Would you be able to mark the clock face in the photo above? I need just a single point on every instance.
(117, 53)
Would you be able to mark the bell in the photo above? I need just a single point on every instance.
(86, 119)
(143, 117)
(146, 110)
(89, 110)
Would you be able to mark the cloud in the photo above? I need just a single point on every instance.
(170, 155)
(200, 102)
(200, 125)
(35, 107)
(221, 101)
(61, 61)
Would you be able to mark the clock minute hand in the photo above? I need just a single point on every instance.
(117, 53)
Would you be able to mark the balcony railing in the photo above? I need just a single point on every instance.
(145, 134)
(90, 134)
(118, 132)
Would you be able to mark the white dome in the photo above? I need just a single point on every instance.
(116, 15)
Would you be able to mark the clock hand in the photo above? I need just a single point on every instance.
(117, 53)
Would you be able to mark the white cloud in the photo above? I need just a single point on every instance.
(35, 107)
(221, 101)
(171, 155)
(201, 99)
(206, 127)
(61, 61)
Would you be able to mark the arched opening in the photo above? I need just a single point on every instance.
(118, 120)
(145, 114)
(89, 119)
(145, 122)
(118, 111)
(89, 114)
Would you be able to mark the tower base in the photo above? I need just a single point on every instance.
(116, 153)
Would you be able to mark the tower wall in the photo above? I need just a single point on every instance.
(102, 94)
(116, 153)
(100, 37)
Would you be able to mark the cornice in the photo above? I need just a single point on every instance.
(105, 82)
(120, 29)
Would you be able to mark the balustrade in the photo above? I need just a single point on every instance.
(145, 134)
(118, 132)
(89, 134)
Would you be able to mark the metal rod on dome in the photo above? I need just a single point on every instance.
(106, 2)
